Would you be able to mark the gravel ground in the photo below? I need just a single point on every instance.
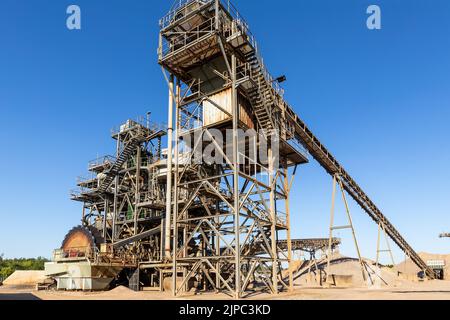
(429, 290)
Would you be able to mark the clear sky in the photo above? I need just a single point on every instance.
(379, 100)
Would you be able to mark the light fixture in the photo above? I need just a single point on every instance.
(280, 79)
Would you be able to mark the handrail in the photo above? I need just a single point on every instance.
(141, 122)
(263, 171)
(177, 10)
(187, 37)
(75, 253)
(103, 160)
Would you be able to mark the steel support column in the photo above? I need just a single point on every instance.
(167, 219)
(236, 206)
(175, 196)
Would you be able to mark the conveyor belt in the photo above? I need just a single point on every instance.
(332, 166)
(137, 237)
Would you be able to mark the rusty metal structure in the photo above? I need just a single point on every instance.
(121, 197)
(310, 245)
(169, 219)
(123, 200)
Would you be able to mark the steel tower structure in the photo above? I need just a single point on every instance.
(222, 83)
(233, 211)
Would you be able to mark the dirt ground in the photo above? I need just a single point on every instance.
(397, 283)
(428, 290)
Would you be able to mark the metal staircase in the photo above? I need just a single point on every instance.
(261, 96)
(257, 208)
(117, 166)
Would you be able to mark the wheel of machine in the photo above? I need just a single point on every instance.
(81, 240)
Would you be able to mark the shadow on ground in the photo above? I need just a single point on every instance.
(18, 296)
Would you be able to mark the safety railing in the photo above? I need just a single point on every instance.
(101, 161)
(298, 146)
(156, 196)
(241, 25)
(88, 182)
(252, 167)
(244, 70)
(76, 253)
(142, 123)
(85, 184)
(287, 132)
(258, 209)
(281, 218)
(179, 10)
(193, 90)
(182, 8)
(173, 44)
(191, 117)
(237, 24)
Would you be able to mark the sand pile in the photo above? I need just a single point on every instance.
(347, 272)
(408, 267)
(25, 278)
(295, 265)
(121, 290)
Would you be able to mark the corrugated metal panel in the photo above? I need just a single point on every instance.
(436, 263)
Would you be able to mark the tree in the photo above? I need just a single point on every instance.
(6, 272)
(8, 266)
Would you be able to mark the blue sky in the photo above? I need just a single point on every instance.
(379, 100)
